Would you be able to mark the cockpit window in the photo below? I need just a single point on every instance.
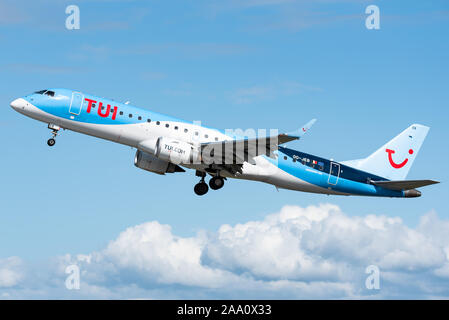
(46, 92)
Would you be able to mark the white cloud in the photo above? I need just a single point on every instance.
(154, 252)
(312, 252)
(10, 274)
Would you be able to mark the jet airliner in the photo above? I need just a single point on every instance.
(168, 145)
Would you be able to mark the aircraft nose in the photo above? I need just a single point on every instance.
(18, 104)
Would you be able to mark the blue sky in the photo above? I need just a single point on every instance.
(230, 64)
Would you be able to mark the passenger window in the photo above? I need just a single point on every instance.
(121, 113)
(93, 105)
(285, 157)
(176, 127)
(206, 136)
(216, 139)
(196, 133)
(158, 122)
(185, 130)
(167, 125)
(130, 115)
(140, 118)
(148, 120)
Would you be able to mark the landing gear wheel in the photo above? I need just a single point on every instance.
(54, 132)
(216, 183)
(201, 188)
(51, 142)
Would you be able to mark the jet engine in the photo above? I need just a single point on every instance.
(150, 163)
(176, 151)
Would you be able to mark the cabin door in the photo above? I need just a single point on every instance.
(334, 173)
(76, 103)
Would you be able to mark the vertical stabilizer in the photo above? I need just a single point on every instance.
(394, 159)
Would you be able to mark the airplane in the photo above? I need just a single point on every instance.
(168, 145)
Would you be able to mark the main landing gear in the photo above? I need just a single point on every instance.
(55, 129)
(201, 187)
(216, 183)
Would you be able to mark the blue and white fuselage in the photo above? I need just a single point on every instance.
(381, 174)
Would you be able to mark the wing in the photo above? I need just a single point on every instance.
(233, 153)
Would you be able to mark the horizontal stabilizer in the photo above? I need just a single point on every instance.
(404, 184)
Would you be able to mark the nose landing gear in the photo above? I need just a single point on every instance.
(55, 129)
(51, 142)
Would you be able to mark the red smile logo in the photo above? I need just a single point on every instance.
(397, 165)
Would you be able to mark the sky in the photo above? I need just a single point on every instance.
(229, 64)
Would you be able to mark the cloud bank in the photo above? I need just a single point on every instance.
(317, 252)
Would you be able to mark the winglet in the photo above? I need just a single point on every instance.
(302, 131)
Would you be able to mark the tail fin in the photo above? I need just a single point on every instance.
(394, 160)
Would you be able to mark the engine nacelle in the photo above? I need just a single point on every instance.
(150, 163)
(176, 151)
